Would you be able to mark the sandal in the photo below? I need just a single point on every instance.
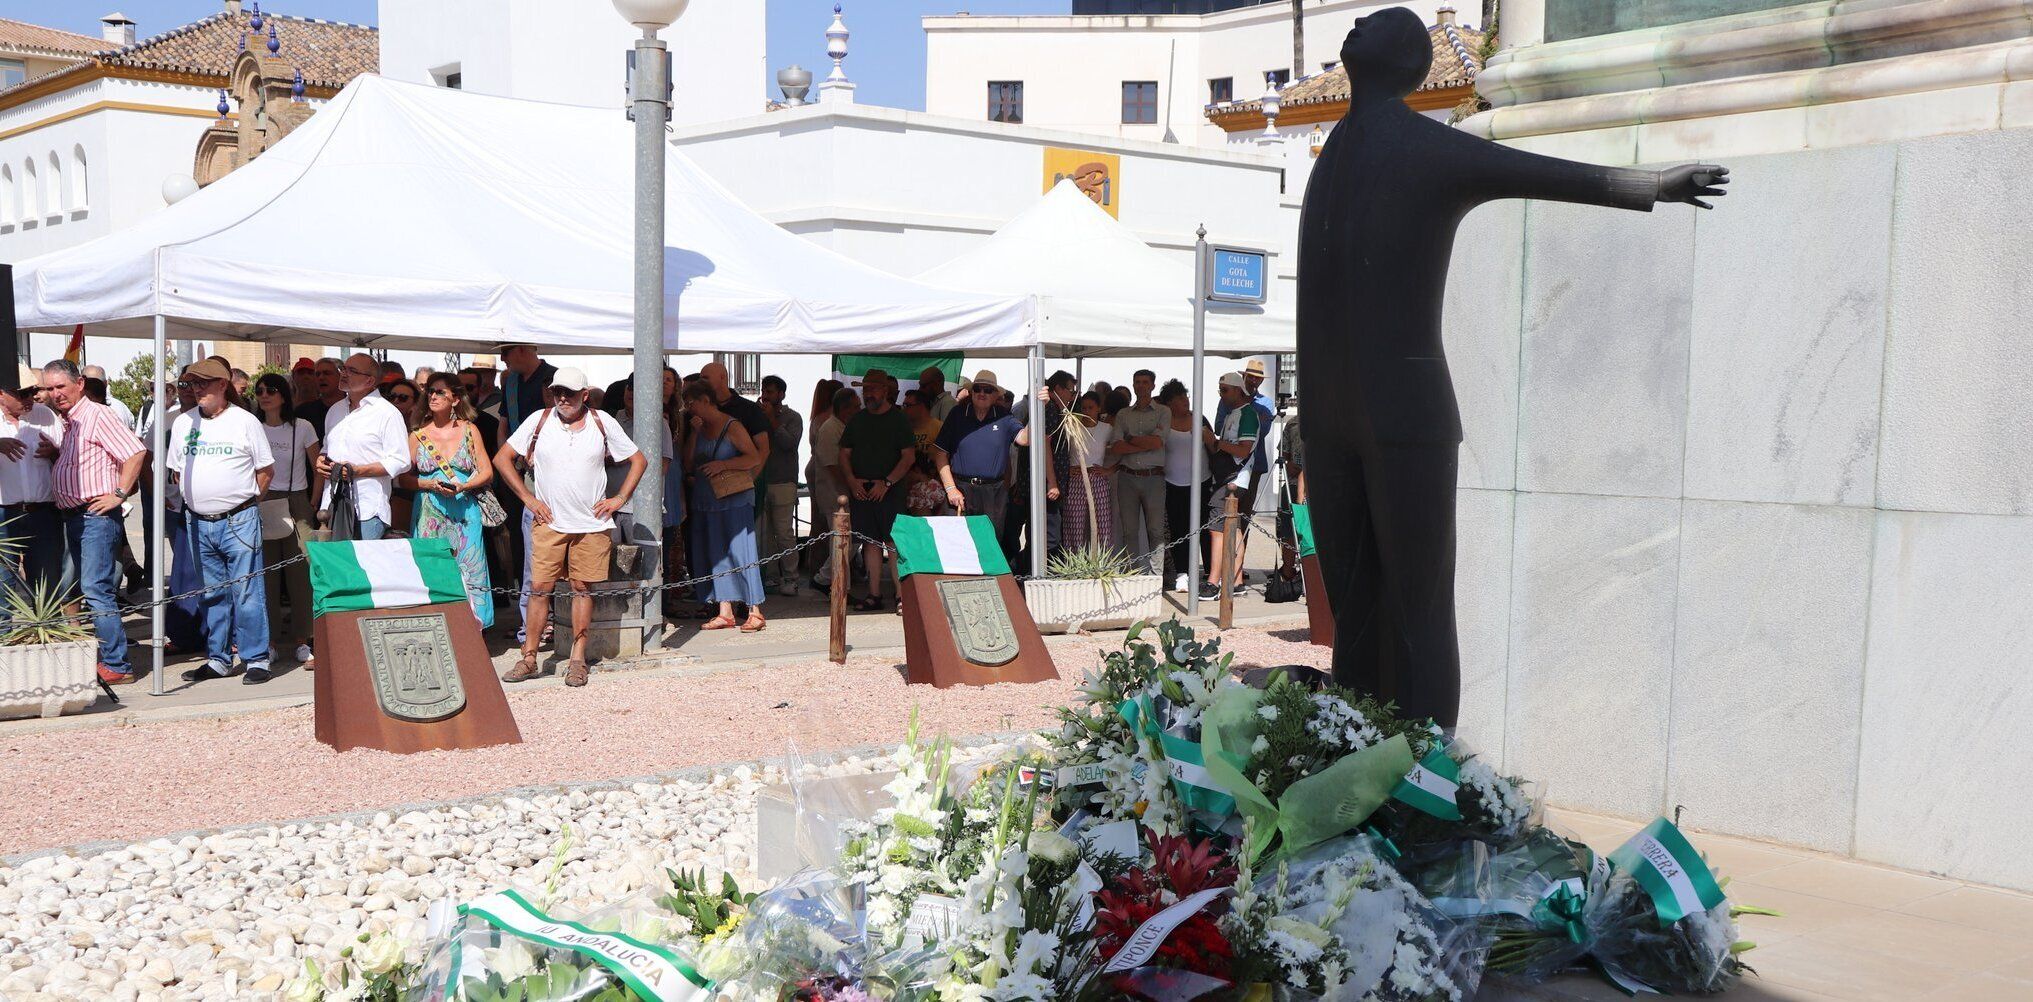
(575, 673)
(755, 623)
(868, 603)
(719, 623)
(524, 670)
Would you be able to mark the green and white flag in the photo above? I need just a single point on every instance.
(1431, 786)
(653, 972)
(905, 369)
(383, 574)
(947, 544)
(1665, 864)
(1302, 528)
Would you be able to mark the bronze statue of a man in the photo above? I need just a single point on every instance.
(1375, 237)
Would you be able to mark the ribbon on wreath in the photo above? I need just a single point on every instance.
(1432, 786)
(1666, 865)
(653, 972)
(1182, 756)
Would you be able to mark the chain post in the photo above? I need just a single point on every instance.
(1231, 511)
(843, 572)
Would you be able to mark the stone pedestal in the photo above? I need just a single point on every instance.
(420, 691)
(1008, 645)
(618, 621)
(1319, 618)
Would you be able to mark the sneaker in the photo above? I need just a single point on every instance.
(111, 677)
(1180, 584)
(1210, 591)
(207, 671)
(256, 674)
(304, 654)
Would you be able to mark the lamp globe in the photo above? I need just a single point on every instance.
(651, 15)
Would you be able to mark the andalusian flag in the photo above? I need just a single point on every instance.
(1431, 786)
(383, 574)
(947, 544)
(1665, 864)
(905, 369)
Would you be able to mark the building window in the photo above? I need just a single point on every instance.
(12, 72)
(81, 181)
(58, 197)
(744, 371)
(1139, 102)
(31, 193)
(1277, 78)
(1220, 90)
(450, 77)
(7, 195)
(1006, 101)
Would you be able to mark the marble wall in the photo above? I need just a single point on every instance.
(1746, 502)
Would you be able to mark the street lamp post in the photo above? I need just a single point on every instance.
(650, 107)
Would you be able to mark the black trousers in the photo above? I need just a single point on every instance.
(1384, 527)
(1178, 519)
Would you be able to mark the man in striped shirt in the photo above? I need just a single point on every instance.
(96, 470)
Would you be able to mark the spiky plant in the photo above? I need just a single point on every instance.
(36, 615)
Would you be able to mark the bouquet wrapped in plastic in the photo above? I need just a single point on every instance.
(502, 947)
(808, 939)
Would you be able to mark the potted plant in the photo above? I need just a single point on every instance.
(1093, 588)
(47, 662)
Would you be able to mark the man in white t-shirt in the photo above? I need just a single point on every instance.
(567, 447)
(366, 438)
(221, 463)
(27, 508)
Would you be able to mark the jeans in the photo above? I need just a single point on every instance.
(95, 544)
(370, 528)
(235, 615)
(1140, 519)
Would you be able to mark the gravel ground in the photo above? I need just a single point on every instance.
(129, 783)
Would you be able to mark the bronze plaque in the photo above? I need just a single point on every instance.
(981, 623)
(416, 676)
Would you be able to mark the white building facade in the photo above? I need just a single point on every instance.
(1130, 76)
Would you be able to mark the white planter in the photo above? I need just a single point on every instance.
(1075, 603)
(48, 679)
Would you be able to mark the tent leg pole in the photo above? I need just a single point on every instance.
(1039, 443)
(1193, 506)
(158, 436)
(651, 113)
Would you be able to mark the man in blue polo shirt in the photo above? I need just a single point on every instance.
(973, 452)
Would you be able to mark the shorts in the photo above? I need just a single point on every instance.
(1246, 498)
(569, 556)
(875, 519)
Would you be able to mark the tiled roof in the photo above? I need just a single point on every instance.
(21, 36)
(330, 53)
(1454, 65)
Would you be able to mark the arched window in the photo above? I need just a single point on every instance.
(31, 192)
(8, 195)
(81, 180)
(54, 205)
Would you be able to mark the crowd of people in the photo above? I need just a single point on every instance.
(529, 472)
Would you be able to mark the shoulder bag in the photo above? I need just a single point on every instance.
(276, 521)
(728, 483)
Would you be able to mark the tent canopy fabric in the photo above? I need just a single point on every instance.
(411, 216)
(1102, 291)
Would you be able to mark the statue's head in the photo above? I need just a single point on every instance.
(1387, 53)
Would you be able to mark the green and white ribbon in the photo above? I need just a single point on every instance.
(651, 971)
(383, 574)
(1665, 864)
(1431, 786)
(1302, 528)
(1183, 758)
(947, 544)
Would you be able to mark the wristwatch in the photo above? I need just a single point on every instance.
(122, 493)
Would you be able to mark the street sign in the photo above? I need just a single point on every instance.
(1236, 275)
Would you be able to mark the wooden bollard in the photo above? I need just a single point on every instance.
(843, 574)
(1231, 509)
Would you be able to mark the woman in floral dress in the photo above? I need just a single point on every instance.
(448, 467)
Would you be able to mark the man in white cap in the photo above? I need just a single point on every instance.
(1231, 444)
(567, 447)
(973, 450)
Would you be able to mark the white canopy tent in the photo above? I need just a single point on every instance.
(409, 216)
(1100, 290)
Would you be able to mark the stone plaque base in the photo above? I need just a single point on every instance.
(935, 654)
(349, 701)
(1319, 618)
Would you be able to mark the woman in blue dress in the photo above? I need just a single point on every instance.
(448, 467)
(724, 526)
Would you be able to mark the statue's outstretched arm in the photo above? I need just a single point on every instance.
(1493, 171)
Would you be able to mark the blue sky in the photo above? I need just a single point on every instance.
(886, 58)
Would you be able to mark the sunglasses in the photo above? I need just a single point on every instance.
(267, 391)
(444, 391)
(402, 398)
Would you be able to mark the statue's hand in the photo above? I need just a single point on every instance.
(1691, 182)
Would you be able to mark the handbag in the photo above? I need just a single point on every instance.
(728, 483)
(276, 520)
(1282, 589)
(492, 515)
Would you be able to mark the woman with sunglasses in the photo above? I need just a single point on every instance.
(294, 444)
(404, 395)
(448, 467)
